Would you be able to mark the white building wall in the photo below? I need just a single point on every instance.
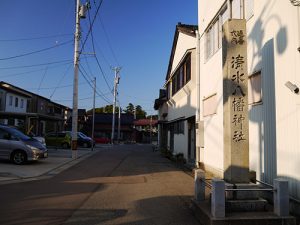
(13, 108)
(273, 39)
(184, 102)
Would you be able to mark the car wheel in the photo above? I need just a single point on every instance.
(19, 157)
(65, 145)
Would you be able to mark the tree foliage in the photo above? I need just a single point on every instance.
(137, 110)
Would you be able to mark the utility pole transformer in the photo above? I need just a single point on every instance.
(80, 13)
(116, 82)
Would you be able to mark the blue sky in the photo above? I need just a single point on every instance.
(134, 34)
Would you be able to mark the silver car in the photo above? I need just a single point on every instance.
(19, 148)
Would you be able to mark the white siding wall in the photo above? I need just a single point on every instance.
(184, 102)
(13, 108)
(274, 29)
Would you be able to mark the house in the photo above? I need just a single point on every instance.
(30, 112)
(272, 36)
(103, 126)
(145, 130)
(160, 104)
(177, 104)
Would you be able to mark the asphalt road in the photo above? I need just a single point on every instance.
(127, 184)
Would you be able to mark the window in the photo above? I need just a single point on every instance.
(254, 89)
(22, 103)
(178, 127)
(182, 75)
(188, 68)
(10, 100)
(213, 39)
(210, 105)
(168, 91)
(16, 102)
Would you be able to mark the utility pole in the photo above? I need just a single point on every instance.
(93, 125)
(80, 13)
(119, 123)
(116, 82)
(150, 129)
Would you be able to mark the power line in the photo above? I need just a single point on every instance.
(32, 71)
(57, 87)
(42, 79)
(100, 95)
(34, 38)
(91, 79)
(65, 73)
(34, 65)
(108, 42)
(98, 63)
(34, 52)
(91, 26)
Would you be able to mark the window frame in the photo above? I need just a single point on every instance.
(179, 80)
(16, 102)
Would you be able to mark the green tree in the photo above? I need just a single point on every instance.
(129, 108)
(140, 113)
(105, 109)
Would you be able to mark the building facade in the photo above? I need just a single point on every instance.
(273, 40)
(31, 112)
(177, 107)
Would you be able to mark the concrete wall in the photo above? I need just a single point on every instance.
(273, 39)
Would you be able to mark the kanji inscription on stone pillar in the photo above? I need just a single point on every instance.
(235, 102)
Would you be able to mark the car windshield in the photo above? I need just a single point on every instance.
(18, 134)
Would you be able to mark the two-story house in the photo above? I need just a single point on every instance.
(30, 112)
(177, 109)
(13, 105)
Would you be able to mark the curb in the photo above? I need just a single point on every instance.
(52, 172)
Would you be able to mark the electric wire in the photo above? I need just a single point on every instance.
(34, 65)
(34, 38)
(98, 63)
(89, 83)
(37, 51)
(32, 71)
(91, 79)
(89, 31)
(42, 80)
(65, 73)
(108, 42)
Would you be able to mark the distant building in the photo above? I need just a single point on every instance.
(103, 126)
(145, 130)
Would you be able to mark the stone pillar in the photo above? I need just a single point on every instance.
(199, 185)
(218, 198)
(235, 102)
(281, 197)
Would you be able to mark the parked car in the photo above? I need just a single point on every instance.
(18, 147)
(39, 138)
(63, 139)
(84, 141)
(58, 139)
(102, 140)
